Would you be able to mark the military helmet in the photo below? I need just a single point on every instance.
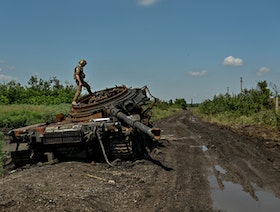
(83, 62)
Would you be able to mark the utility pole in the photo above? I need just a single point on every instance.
(241, 90)
(276, 92)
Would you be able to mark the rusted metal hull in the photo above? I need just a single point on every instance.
(109, 124)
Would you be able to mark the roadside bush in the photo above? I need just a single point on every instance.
(181, 103)
(246, 103)
(254, 106)
(3, 100)
(38, 92)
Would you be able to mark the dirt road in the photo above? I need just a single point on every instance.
(197, 167)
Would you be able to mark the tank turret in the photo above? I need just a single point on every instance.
(109, 124)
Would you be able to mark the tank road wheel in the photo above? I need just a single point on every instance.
(121, 149)
(21, 158)
(24, 157)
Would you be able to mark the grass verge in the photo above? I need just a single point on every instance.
(266, 119)
(13, 116)
(159, 113)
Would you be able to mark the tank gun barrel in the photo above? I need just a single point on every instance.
(152, 132)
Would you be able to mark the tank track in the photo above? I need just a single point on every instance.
(107, 123)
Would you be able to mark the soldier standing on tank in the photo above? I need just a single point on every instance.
(79, 76)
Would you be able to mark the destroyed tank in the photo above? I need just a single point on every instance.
(109, 124)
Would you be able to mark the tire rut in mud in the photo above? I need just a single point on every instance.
(187, 188)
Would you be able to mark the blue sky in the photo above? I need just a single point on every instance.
(191, 49)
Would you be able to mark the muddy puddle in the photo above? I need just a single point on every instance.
(231, 197)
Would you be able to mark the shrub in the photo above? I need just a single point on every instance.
(246, 103)
(38, 91)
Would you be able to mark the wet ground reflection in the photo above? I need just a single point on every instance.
(233, 198)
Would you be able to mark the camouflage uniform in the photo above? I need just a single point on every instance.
(79, 70)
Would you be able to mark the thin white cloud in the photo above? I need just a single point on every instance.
(231, 61)
(263, 70)
(6, 67)
(11, 67)
(4, 77)
(198, 73)
(147, 3)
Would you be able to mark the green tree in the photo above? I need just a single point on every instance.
(245, 103)
(37, 91)
(181, 103)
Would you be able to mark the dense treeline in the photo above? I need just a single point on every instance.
(245, 103)
(37, 92)
(258, 106)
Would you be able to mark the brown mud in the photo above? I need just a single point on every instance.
(197, 167)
